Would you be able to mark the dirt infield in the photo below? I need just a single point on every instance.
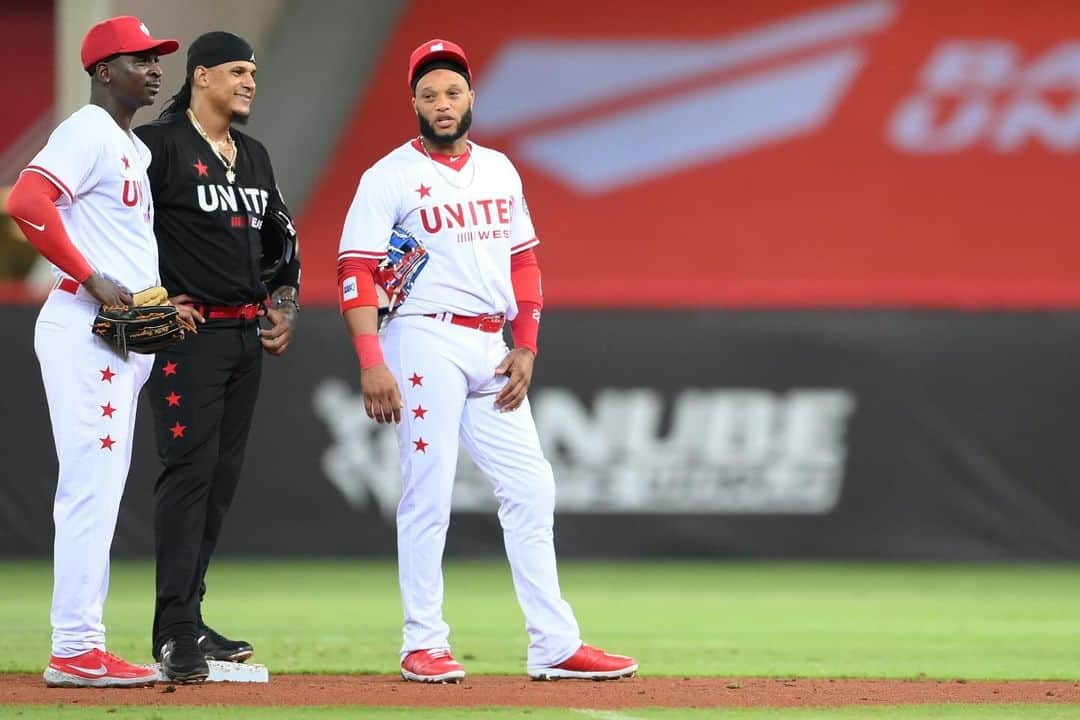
(390, 690)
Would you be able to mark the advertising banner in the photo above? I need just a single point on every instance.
(779, 434)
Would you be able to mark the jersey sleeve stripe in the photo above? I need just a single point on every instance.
(51, 178)
(362, 254)
(524, 246)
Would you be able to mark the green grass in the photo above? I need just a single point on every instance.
(912, 712)
(678, 618)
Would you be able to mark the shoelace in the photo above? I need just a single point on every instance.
(438, 652)
(106, 655)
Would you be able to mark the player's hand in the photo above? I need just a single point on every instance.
(107, 291)
(518, 366)
(277, 337)
(382, 399)
(190, 318)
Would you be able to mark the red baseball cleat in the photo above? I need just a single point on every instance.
(589, 663)
(96, 668)
(434, 666)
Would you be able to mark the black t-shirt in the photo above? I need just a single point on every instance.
(208, 228)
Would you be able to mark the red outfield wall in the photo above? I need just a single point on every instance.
(770, 154)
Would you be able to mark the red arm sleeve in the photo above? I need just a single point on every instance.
(356, 288)
(356, 283)
(529, 294)
(32, 204)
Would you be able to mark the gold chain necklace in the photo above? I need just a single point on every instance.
(449, 180)
(230, 175)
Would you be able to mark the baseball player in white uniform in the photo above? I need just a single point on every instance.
(84, 202)
(441, 370)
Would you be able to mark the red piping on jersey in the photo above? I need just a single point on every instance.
(361, 254)
(52, 178)
(521, 247)
(454, 164)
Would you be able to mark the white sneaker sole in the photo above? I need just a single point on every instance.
(57, 678)
(454, 676)
(560, 674)
(239, 657)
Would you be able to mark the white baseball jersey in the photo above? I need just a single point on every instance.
(105, 199)
(470, 220)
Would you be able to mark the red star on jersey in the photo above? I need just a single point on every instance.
(107, 442)
(178, 430)
(419, 412)
(107, 410)
(424, 190)
(127, 163)
(173, 399)
(421, 446)
(107, 374)
(170, 368)
(200, 168)
(417, 380)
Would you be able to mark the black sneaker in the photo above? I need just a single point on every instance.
(182, 662)
(215, 646)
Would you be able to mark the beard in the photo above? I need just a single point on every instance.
(240, 118)
(445, 139)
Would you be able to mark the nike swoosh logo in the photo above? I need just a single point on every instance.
(39, 228)
(90, 671)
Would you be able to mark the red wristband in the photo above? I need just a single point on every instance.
(525, 328)
(368, 350)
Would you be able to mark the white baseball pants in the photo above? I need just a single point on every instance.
(447, 381)
(92, 394)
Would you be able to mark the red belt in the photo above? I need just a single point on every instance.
(483, 323)
(210, 312)
(230, 312)
(68, 285)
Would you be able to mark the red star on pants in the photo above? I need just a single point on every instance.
(178, 430)
(170, 368)
(200, 168)
(107, 410)
(127, 163)
(107, 442)
(419, 412)
(173, 399)
(421, 446)
(417, 380)
(107, 374)
(424, 190)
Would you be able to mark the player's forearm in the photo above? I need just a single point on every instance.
(362, 323)
(362, 320)
(32, 205)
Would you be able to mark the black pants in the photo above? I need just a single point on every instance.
(203, 394)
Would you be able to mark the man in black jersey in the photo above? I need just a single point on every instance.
(214, 195)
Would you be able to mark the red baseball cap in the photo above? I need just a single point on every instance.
(434, 50)
(123, 35)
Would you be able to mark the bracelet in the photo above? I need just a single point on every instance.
(278, 302)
